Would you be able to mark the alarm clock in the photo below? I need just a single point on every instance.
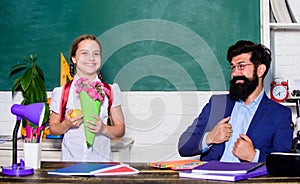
(279, 91)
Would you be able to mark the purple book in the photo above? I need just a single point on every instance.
(227, 167)
(225, 177)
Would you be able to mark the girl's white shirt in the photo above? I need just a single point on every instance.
(74, 147)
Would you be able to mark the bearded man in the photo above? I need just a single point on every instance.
(244, 125)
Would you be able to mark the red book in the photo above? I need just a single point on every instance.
(124, 170)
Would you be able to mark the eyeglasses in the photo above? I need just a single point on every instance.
(240, 67)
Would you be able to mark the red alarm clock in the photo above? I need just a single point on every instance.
(279, 91)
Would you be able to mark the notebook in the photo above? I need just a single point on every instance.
(224, 177)
(86, 169)
(227, 167)
(176, 164)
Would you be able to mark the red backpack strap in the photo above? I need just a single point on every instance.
(109, 96)
(110, 101)
(65, 96)
(64, 100)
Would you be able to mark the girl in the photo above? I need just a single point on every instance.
(86, 57)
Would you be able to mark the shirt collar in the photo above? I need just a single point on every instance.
(259, 97)
(256, 101)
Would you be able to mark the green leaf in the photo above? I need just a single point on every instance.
(16, 85)
(41, 83)
(17, 68)
(39, 73)
(25, 101)
(26, 79)
(28, 95)
(40, 89)
(47, 114)
(31, 97)
(40, 94)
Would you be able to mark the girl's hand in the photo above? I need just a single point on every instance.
(73, 122)
(96, 126)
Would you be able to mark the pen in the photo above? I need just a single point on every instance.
(41, 136)
(255, 167)
(28, 131)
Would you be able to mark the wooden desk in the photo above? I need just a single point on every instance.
(146, 175)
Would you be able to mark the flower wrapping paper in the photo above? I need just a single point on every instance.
(89, 108)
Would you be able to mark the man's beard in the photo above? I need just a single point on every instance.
(241, 91)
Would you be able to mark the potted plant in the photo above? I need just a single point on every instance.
(31, 84)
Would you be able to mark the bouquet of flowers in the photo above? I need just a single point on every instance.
(91, 95)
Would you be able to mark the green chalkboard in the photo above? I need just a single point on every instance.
(148, 45)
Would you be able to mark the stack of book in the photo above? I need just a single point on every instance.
(225, 171)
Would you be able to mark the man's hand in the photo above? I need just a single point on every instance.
(243, 148)
(220, 133)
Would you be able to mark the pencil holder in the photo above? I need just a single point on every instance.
(32, 155)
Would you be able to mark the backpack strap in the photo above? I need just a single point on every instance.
(110, 101)
(65, 96)
(64, 100)
(109, 96)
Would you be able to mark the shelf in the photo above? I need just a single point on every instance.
(288, 104)
(275, 26)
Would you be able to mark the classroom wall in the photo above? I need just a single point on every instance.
(156, 119)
